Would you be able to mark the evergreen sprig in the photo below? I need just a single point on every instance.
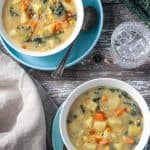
(141, 8)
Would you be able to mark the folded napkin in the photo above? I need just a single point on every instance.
(141, 8)
(22, 120)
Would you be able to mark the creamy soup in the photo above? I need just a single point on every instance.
(105, 119)
(39, 25)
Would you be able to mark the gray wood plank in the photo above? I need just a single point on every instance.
(111, 1)
(115, 13)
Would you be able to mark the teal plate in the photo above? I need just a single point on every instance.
(56, 136)
(83, 46)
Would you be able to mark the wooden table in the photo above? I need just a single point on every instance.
(99, 63)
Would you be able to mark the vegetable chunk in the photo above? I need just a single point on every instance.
(99, 125)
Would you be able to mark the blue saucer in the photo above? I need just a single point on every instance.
(83, 46)
(56, 137)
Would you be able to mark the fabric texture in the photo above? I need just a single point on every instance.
(140, 7)
(22, 121)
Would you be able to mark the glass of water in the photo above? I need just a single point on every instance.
(130, 44)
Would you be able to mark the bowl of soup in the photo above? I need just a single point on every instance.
(105, 114)
(40, 27)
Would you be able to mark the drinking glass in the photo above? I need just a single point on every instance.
(130, 44)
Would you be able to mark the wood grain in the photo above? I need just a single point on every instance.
(99, 63)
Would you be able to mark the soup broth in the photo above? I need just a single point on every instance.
(104, 119)
(39, 25)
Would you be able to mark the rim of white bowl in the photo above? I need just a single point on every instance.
(115, 83)
(73, 36)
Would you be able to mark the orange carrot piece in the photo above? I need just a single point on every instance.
(104, 141)
(33, 24)
(101, 116)
(97, 140)
(25, 5)
(128, 140)
(104, 98)
(58, 27)
(91, 132)
(68, 1)
(126, 109)
(119, 111)
(108, 129)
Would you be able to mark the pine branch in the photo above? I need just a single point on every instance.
(141, 8)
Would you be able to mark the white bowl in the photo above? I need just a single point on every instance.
(80, 16)
(110, 83)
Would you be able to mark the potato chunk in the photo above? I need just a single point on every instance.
(99, 125)
(91, 105)
(134, 130)
(16, 1)
(89, 146)
(36, 7)
(89, 122)
(120, 146)
(24, 18)
(114, 121)
(13, 32)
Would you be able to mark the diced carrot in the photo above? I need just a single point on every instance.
(128, 140)
(25, 5)
(108, 128)
(104, 98)
(92, 131)
(104, 141)
(126, 109)
(119, 111)
(58, 27)
(33, 24)
(68, 1)
(101, 116)
(97, 140)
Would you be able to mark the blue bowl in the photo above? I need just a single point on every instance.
(82, 47)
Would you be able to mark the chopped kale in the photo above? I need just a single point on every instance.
(112, 90)
(45, 1)
(13, 12)
(24, 28)
(134, 109)
(38, 40)
(120, 96)
(125, 94)
(98, 107)
(82, 109)
(126, 133)
(101, 88)
(130, 122)
(74, 116)
(58, 9)
(96, 99)
(138, 124)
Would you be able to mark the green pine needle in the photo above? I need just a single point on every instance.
(141, 8)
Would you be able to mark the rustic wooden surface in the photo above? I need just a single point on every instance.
(99, 63)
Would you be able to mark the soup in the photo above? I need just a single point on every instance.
(39, 25)
(104, 119)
